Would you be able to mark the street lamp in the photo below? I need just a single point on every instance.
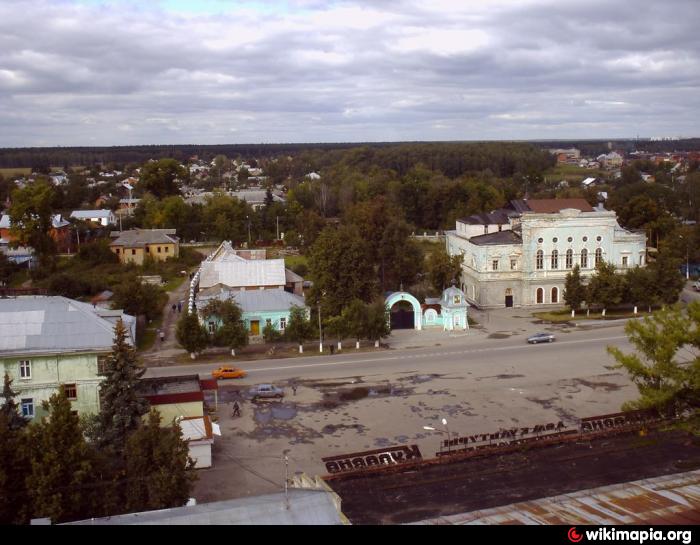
(444, 423)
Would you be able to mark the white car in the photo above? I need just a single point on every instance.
(696, 285)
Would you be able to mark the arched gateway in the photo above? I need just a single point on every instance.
(399, 296)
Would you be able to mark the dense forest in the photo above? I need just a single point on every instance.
(40, 158)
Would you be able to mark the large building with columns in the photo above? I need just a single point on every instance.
(520, 255)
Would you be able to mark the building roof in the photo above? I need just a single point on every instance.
(57, 221)
(499, 238)
(304, 507)
(549, 206)
(141, 237)
(254, 196)
(243, 273)
(88, 214)
(252, 301)
(497, 217)
(666, 500)
(196, 428)
(41, 324)
(292, 277)
(163, 386)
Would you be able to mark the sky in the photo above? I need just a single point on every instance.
(126, 72)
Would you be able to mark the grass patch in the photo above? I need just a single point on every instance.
(15, 171)
(148, 337)
(561, 316)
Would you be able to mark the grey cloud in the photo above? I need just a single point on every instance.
(340, 71)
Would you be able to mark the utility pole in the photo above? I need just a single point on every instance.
(278, 227)
(320, 332)
(286, 481)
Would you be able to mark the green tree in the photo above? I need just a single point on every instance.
(31, 219)
(231, 331)
(667, 277)
(667, 378)
(59, 483)
(641, 287)
(354, 315)
(137, 298)
(335, 326)
(158, 177)
(377, 321)
(606, 288)
(191, 334)
(157, 467)
(443, 268)
(299, 329)
(121, 408)
(574, 290)
(341, 269)
(14, 461)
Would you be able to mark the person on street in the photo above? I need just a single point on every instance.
(236, 409)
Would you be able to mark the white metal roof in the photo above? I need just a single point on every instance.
(243, 273)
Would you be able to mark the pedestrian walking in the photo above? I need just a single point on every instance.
(294, 389)
(179, 307)
(173, 308)
(236, 409)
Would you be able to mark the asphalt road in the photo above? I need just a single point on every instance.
(569, 356)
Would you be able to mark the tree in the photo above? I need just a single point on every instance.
(137, 298)
(340, 266)
(299, 328)
(231, 331)
(574, 290)
(606, 287)
(667, 278)
(355, 317)
(667, 378)
(14, 461)
(443, 268)
(121, 408)
(157, 464)
(9, 407)
(377, 321)
(7, 269)
(335, 326)
(158, 177)
(59, 483)
(641, 287)
(191, 334)
(31, 219)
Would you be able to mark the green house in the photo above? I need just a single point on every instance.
(47, 343)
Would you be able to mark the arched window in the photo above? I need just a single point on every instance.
(540, 260)
(569, 259)
(555, 295)
(584, 259)
(540, 296)
(598, 256)
(555, 259)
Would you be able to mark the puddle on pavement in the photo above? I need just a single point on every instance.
(499, 336)
(279, 411)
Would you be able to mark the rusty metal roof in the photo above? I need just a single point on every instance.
(670, 499)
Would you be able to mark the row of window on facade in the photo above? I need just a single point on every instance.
(148, 250)
(569, 260)
(570, 239)
(27, 404)
(268, 322)
(554, 295)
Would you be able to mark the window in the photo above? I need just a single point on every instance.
(25, 369)
(117, 251)
(486, 229)
(540, 296)
(102, 365)
(585, 239)
(641, 259)
(584, 259)
(212, 327)
(555, 240)
(166, 249)
(283, 323)
(570, 239)
(148, 249)
(624, 261)
(555, 259)
(133, 252)
(28, 407)
(456, 300)
(540, 240)
(500, 228)
(569, 259)
(494, 265)
(540, 260)
(598, 256)
(513, 264)
(555, 295)
(599, 238)
(158, 249)
(268, 322)
(71, 391)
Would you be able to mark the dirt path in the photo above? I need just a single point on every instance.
(170, 317)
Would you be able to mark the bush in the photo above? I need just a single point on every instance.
(97, 253)
(270, 334)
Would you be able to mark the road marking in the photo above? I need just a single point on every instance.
(390, 358)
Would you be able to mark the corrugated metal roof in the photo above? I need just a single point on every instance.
(670, 499)
(304, 507)
(90, 214)
(54, 324)
(139, 237)
(244, 273)
(260, 300)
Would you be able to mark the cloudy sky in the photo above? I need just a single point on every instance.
(94, 72)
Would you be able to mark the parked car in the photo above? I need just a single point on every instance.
(696, 285)
(265, 391)
(541, 338)
(227, 371)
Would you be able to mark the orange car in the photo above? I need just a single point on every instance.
(228, 372)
